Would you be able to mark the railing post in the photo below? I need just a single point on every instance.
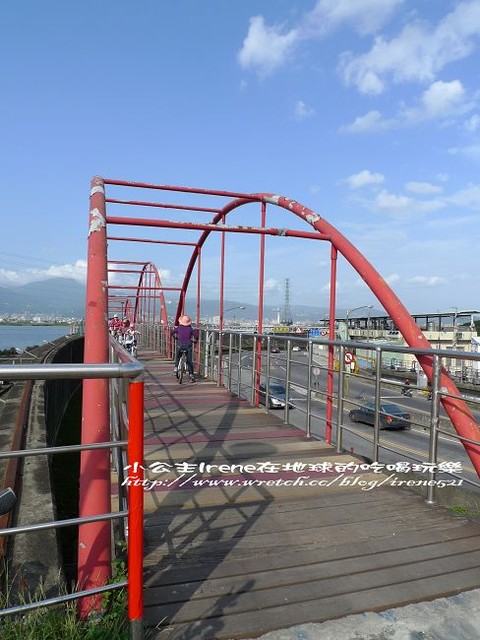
(230, 354)
(339, 435)
(288, 375)
(220, 359)
(239, 365)
(309, 389)
(267, 377)
(378, 381)
(434, 420)
(135, 509)
(254, 394)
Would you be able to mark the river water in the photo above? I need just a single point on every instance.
(29, 335)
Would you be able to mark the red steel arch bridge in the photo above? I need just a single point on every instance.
(134, 213)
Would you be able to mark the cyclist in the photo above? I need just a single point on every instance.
(406, 390)
(114, 325)
(185, 335)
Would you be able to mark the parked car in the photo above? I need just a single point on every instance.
(295, 348)
(391, 415)
(274, 350)
(276, 395)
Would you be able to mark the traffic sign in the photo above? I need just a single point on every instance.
(349, 357)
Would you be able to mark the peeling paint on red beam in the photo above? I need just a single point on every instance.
(163, 205)
(165, 187)
(142, 288)
(181, 244)
(171, 224)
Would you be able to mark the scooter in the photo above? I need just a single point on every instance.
(406, 391)
(8, 500)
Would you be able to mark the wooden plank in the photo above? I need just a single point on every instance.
(221, 624)
(245, 543)
(287, 522)
(197, 588)
(175, 570)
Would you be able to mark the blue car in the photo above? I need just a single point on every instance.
(391, 415)
(276, 395)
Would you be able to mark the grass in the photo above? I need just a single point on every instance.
(61, 622)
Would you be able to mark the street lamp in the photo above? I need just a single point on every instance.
(233, 309)
(29, 353)
(349, 311)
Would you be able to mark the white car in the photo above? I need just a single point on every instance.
(296, 348)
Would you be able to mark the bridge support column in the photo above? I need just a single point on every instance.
(94, 539)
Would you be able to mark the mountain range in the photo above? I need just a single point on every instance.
(65, 297)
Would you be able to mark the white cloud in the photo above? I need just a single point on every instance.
(470, 151)
(473, 123)
(8, 277)
(468, 197)
(272, 285)
(364, 178)
(266, 48)
(426, 281)
(392, 203)
(417, 54)
(423, 188)
(76, 271)
(392, 278)
(371, 122)
(365, 17)
(400, 205)
(302, 110)
(440, 100)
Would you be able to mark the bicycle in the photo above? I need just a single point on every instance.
(182, 369)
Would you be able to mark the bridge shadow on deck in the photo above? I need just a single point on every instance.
(237, 561)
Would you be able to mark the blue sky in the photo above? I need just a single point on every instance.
(366, 111)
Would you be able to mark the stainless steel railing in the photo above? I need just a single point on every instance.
(127, 370)
(240, 360)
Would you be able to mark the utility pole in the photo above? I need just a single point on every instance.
(287, 313)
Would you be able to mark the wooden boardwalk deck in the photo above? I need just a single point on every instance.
(229, 562)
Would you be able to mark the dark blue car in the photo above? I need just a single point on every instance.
(391, 415)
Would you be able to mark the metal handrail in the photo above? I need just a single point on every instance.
(241, 343)
(131, 371)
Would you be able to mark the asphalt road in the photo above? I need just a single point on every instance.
(394, 445)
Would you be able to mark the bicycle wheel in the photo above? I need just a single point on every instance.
(182, 368)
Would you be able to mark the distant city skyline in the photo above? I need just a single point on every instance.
(68, 294)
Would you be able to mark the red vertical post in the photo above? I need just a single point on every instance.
(135, 508)
(222, 277)
(221, 304)
(94, 545)
(331, 336)
(199, 290)
(151, 316)
(261, 287)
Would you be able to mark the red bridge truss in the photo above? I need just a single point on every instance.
(142, 298)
